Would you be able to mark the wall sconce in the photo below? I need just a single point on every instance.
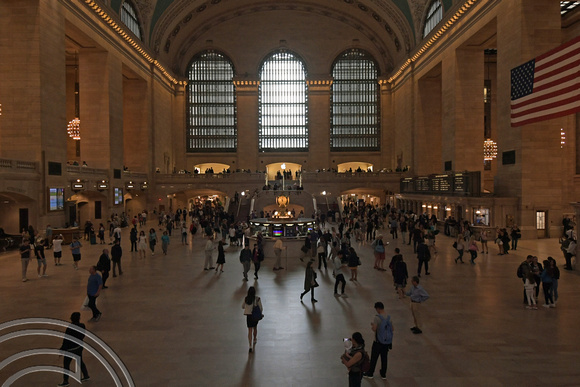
(129, 186)
(102, 185)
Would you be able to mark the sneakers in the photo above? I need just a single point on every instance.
(367, 375)
(63, 384)
(528, 307)
(546, 306)
(24, 280)
(336, 295)
(552, 305)
(84, 379)
(384, 377)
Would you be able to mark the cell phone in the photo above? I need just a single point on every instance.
(346, 339)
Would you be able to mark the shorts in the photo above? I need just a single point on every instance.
(58, 254)
(76, 257)
(41, 261)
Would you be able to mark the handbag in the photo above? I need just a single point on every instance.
(257, 312)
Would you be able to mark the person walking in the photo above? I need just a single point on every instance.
(142, 244)
(246, 260)
(40, 258)
(76, 330)
(337, 272)
(379, 252)
(473, 250)
(418, 295)
(257, 258)
(164, 242)
(353, 359)
(101, 234)
(75, 248)
(400, 276)
(322, 253)
(546, 277)
(423, 255)
(353, 264)
(221, 259)
(57, 249)
(24, 257)
(152, 240)
(309, 282)
(251, 301)
(382, 327)
(483, 237)
(278, 247)
(104, 266)
(460, 247)
(94, 286)
(209, 247)
(133, 238)
(116, 254)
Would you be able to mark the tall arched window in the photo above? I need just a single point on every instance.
(355, 108)
(434, 16)
(129, 18)
(283, 104)
(211, 104)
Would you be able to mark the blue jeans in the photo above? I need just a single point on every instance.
(515, 243)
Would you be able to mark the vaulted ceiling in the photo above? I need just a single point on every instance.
(176, 29)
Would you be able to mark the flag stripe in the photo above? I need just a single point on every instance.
(547, 62)
(572, 67)
(542, 117)
(554, 96)
(549, 104)
(571, 84)
(548, 86)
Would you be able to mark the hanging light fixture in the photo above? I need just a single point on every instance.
(74, 126)
(489, 150)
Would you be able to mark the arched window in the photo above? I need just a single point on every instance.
(355, 108)
(283, 122)
(434, 16)
(211, 104)
(129, 18)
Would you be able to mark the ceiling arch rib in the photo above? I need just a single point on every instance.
(381, 21)
(181, 53)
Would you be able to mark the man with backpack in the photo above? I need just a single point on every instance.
(383, 329)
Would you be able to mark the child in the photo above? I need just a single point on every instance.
(164, 242)
(529, 286)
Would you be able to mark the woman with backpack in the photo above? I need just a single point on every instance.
(354, 358)
(253, 309)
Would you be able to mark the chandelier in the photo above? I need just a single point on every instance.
(74, 126)
(74, 129)
(489, 150)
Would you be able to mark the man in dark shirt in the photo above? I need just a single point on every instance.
(245, 260)
(94, 286)
(116, 254)
(24, 257)
(423, 255)
(104, 265)
(74, 348)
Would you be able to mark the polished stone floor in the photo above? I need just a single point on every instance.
(173, 324)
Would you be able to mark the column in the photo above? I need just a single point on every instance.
(319, 124)
(247, 101)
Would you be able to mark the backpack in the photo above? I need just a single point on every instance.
(520, 272)
(365, 364)
(455, 245)
(385, 330)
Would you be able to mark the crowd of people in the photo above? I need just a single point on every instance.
(335, 244)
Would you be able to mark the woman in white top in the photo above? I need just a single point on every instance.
(248, 305)
(142, 244)
(57, 249)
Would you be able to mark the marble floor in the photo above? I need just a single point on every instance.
(173, 324)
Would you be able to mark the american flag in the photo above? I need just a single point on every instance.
(547, 86)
